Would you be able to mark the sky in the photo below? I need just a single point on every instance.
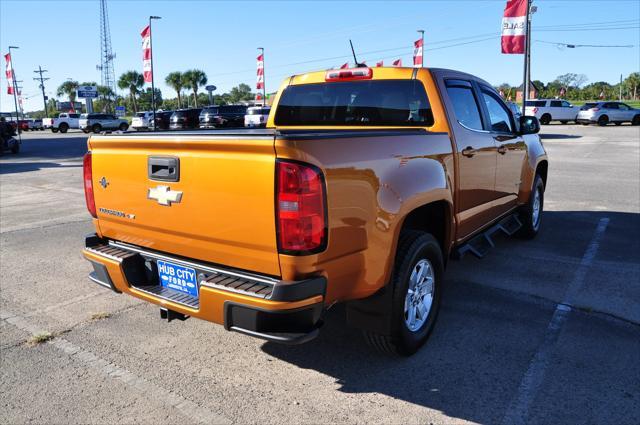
(222, 37)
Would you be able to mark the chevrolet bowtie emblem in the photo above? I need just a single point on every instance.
(164, 195)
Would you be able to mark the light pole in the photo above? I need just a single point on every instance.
(422, 47)
(264, 85)
(15, 92)
(153, 87)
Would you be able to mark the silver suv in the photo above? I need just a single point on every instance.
(604, 113)
(100, 122)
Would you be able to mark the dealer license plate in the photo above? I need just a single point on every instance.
(179, 278)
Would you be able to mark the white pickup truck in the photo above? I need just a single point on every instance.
(547, 110)
(64, 122)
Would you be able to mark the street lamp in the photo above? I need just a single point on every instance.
(422, 38)
(153, 87)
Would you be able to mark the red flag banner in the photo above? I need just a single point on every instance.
(417, 53)
(344, 65)
(146, 54)
(379, 64)
(397, 62)
(514, 26)
(260, 74)
(9, 73)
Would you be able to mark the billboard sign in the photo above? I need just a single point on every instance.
(87, 92)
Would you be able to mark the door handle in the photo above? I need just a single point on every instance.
(164, 168)
(502, 149)
(468, 151)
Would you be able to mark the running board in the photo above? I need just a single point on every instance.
(481, 244)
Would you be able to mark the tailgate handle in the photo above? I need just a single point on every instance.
(163, 168)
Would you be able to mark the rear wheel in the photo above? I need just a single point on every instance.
(416, 283)
(635, 120)
(545, 119)
(123, 127)
(603, 120)
(96, 128)
(531, 213)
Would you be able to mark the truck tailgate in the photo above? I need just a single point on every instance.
(225, 213)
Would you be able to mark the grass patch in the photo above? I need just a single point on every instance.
(100, 316)
(39, 338)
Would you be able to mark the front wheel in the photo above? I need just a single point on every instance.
(64, 128)
(635, 120)
(97, 128)
(416, 286)
(531, 213)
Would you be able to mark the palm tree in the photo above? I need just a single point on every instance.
(195, 79)
(176, 81)
(68, 88)
(107, 95)
(132, 81)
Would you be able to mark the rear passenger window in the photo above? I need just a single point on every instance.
(499, 116)
(465, 106)
(556, 104)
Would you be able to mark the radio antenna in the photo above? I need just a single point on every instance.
(358, 64)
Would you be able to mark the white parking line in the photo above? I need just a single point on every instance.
(518, 411)
(186, 407)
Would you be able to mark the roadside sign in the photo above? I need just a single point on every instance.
(210, 88)
(87, 91)
(120, 111)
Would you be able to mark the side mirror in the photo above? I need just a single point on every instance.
(529, 125)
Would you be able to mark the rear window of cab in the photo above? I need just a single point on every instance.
(355, 103)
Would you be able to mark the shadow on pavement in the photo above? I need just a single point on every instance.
(52, 148)
(485, 337)
(23, 167)
(559, 136)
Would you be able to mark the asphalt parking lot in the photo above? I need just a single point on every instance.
(544, 331)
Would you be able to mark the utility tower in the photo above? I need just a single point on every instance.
(108, 77)
(42, 80)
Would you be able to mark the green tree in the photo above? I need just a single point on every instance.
(176, 81)
(68, 88)
(632, 84)
(195, 78)
(240, 93)
(132, 81)
(144, 100)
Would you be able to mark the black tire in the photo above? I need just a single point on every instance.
(123, 127)
(54, 130)
(413, 247)
(96, 128)
(63, 127)
(531, 226)
(635, 120)
(564, 122)
(603, 120)
(545, 119)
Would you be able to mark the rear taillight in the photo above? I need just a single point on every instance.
(88, 184)
(300, 208)
(349, 74)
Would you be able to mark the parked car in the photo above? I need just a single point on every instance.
(604, 113)
(100, 122)
(362, 186)
(142, 121)
(257, 116)
(223, 116)
(547, 110)
(23, 125)
(36, 124)
(162, 120)
(183, 119)
(64, 122)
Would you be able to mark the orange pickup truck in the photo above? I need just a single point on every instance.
(361, 187)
